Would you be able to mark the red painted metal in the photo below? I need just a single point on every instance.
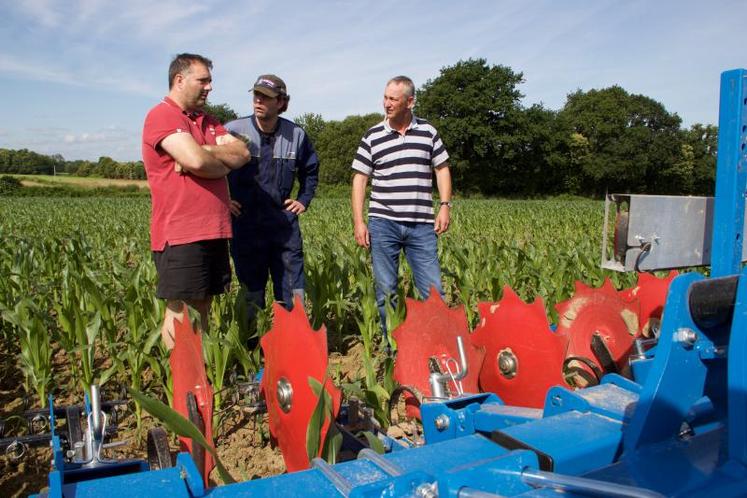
(188, 373)
(651, 293)
(295, 352)
(601, 311)
(516, 330)
(430, 330)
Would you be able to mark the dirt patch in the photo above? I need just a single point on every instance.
(347, 367)
(27, 476)
(244, 448)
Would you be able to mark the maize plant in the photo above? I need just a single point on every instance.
(35, 358)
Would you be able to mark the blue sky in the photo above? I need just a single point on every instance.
(78, 77)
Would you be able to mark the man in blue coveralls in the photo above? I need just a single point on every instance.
(266, 234)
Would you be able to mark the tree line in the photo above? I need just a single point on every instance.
(600, 140)
(26, 162)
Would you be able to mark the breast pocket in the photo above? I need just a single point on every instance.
(287, 169)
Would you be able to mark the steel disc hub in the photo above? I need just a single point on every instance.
(508, 364)
(285, 394)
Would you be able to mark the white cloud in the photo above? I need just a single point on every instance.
(109, 135)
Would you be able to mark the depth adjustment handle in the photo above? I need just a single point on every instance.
(439, 381)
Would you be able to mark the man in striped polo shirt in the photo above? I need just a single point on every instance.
(401, 154)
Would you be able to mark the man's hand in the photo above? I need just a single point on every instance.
(442, 220)
(235, 207)
(294, 206)
(362, 238)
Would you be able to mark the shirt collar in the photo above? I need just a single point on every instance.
(190, 114)
(413, 124)
(253, 120)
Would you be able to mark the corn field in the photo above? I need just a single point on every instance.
(78, 282)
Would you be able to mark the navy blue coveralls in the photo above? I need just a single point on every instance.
(266, 236)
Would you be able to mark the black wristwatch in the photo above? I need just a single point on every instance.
(446, 203)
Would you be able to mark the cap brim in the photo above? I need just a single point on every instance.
(265, 91)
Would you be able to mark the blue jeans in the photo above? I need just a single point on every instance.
(418, 240)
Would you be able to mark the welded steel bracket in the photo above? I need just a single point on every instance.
(657, 232)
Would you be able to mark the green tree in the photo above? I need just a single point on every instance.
(6, 160)
(221, 112)
(702, 141)
(630, 142)
(313, 125)
(26, 162)
(535, 166)
(106, 167)
(138, 170)
(337, 144)
(475, 107)
(82, 168)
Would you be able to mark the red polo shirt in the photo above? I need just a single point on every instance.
(185, 208)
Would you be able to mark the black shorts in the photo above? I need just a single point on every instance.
(194, 271)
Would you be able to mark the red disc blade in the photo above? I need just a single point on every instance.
(188, 374)
(523, 357)
(294, 352)
(600, 312)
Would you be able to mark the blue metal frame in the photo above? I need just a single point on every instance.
(666, 398)
(737, 376)
(731, 175)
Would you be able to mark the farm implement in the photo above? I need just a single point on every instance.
(635, 393)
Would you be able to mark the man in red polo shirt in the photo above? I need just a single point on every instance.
(187, 155)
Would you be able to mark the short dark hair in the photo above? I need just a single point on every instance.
(182, 63)
(407, 82)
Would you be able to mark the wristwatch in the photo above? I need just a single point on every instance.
(446, 203)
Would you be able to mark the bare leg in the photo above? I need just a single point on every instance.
(174, 310)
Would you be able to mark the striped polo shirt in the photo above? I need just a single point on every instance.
(402, 169)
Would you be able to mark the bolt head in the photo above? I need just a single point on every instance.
(427, 490)
(508, 364)
(441, 422)
(687, 337)
(285, 394)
